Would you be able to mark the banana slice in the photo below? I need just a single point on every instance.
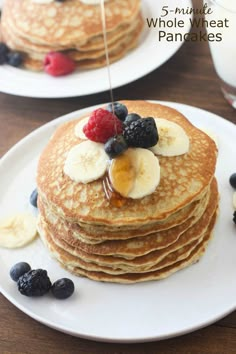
(86, 162)
(234, 200)
(79, 128)
(17, 230)
(135, 174)
(173, 140)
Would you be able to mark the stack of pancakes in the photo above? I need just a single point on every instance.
(143, 239)
(71, 27)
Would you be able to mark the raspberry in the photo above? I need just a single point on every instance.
(102, 125)
(58, 64)
(141, 133)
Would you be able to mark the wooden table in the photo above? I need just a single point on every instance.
(189, 78)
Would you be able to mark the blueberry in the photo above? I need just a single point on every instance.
(63, 288)
(34, 198)
(4, 50)
(34, 283)
(115, 146)
(131, 118)
(14, 59)
(234, 217)
(120, 110)
(232, 180)
(18, 270)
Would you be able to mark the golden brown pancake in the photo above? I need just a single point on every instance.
(78, 202)
(142, 239)
(70, 27)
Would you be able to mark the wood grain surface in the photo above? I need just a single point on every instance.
(188, 77)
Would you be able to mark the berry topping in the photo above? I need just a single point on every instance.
(115, 146)
(141, 133)
(232, 180)
(102, 125)
(120, 110)
(14, 59)
(234, 217)
(58, 64)
(34, 198)
(18, 270)
(131, 118)
(63, 288)
(34, 283)
(4, 50)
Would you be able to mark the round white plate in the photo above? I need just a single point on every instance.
(190, 299)
(149, 55)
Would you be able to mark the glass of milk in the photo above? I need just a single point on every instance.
(224, 52)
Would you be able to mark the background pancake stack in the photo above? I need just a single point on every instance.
(71, 27)
(144, 239)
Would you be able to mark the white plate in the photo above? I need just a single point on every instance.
(148, 56)
(191, 298)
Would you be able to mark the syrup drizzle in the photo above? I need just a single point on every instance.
(104, 29)
(115, 199)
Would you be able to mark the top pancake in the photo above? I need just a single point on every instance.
(67, 23)
(183, 178)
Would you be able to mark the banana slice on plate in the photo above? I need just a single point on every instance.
(173, 140)
(17, 230)
(135, 174)
(86, 162)
(79, 128)
(234, 200)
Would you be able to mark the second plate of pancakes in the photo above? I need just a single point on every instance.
(146, 57)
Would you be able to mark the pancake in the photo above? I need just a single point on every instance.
(87, 203)
(80, 233)
(140, 239)
(38, 51)
(138, 246)
(71, 27)
(78, 21)
(64, 258)
(114, 54)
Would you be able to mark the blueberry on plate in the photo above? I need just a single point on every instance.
(120, 110)
(4, 50)
(115, 146)
(34, 198)
(63, 288)
(131, 118)
(14, 59)
(232, 180)
(18, 270)
(234, 217)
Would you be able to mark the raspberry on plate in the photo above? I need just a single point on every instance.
(102, 125)
(58, 64)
